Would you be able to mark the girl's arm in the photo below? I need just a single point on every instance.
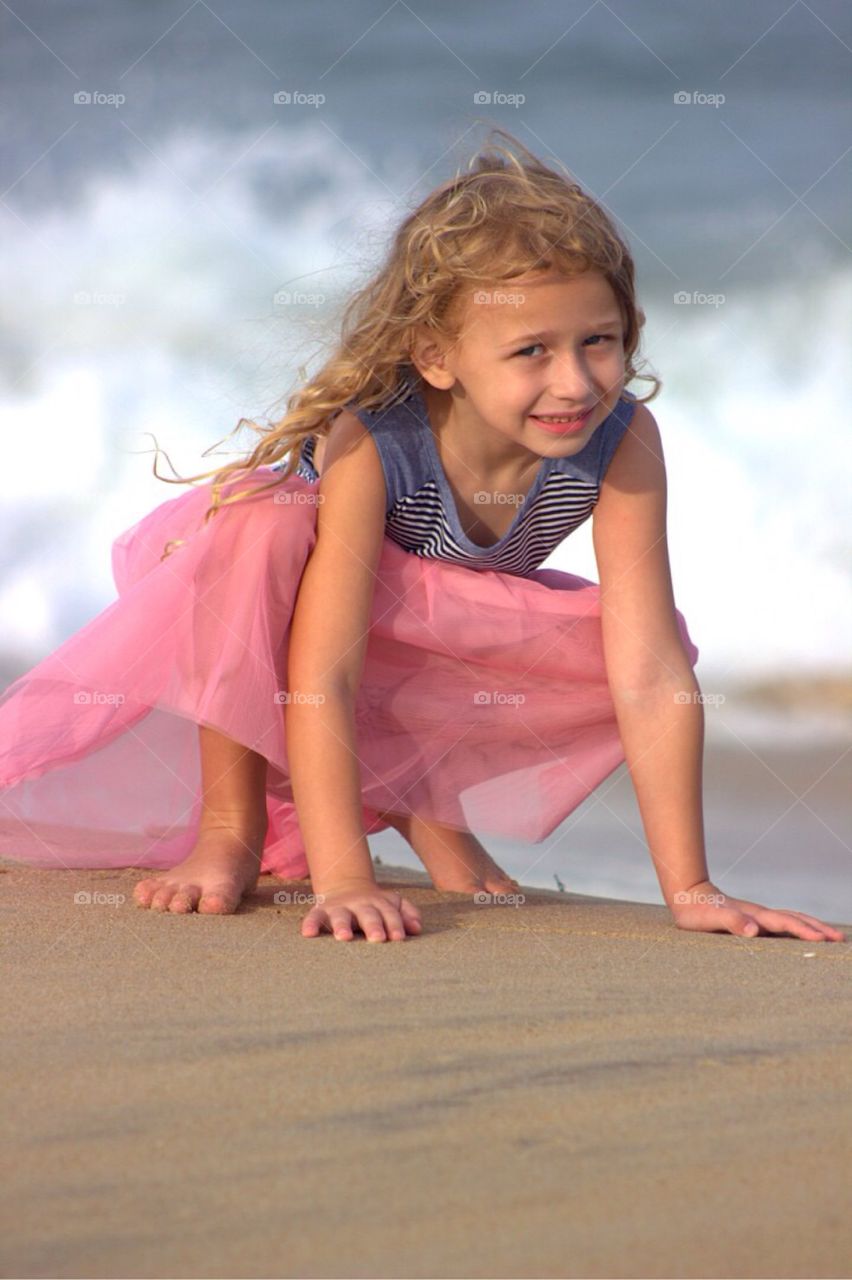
(657, 699)
(327, 646)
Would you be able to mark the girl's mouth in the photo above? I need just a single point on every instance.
(562, 426)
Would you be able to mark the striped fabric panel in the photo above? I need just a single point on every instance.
(419, 524)
(305, 467)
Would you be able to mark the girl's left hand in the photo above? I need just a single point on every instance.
(705, 908)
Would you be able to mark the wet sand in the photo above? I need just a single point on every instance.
(569, 1087)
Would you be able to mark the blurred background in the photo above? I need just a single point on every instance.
(190, 190)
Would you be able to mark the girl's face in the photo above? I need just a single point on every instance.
(547, 346)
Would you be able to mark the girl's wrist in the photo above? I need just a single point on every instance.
(343, 884)
(703, 892)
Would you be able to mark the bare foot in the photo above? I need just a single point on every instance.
(455, 860)
(221, 869)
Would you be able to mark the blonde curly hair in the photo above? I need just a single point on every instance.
(508, 215)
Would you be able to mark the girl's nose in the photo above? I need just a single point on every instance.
(573, 388)
(572, 381)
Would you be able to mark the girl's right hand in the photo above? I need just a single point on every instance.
(381, 914)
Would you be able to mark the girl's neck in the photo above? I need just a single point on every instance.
(480, 453)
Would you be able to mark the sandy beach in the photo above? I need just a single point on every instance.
(569, 1087)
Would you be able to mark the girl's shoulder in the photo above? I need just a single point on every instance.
(350, 497)
(635, 481)
(345, 431)
(399, 438)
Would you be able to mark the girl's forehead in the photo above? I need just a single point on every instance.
(543, 299)
(523, 290)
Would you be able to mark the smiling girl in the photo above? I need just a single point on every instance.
(349, 628)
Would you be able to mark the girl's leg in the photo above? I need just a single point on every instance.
(455, 860)
(225, 861)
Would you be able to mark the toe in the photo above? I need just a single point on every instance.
(144, 891)
(184, 900)
(161, 899)
(217, 903)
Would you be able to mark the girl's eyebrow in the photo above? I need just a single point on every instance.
(551, 333)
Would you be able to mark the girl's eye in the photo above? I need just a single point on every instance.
(607, 337)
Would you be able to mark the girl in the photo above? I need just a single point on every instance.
(358, 631)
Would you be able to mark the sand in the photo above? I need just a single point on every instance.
(572, 1087)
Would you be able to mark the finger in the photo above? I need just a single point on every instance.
(410, 915)
(394, 924)
(314, 922)
(817, 924)
(790, 922)
(336, 921)
(341, 921)
(372, 923)
(748, 924)
(780, 920)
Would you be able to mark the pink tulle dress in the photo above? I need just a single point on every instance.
(483, 703)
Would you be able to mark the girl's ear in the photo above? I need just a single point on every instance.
(429, 355)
